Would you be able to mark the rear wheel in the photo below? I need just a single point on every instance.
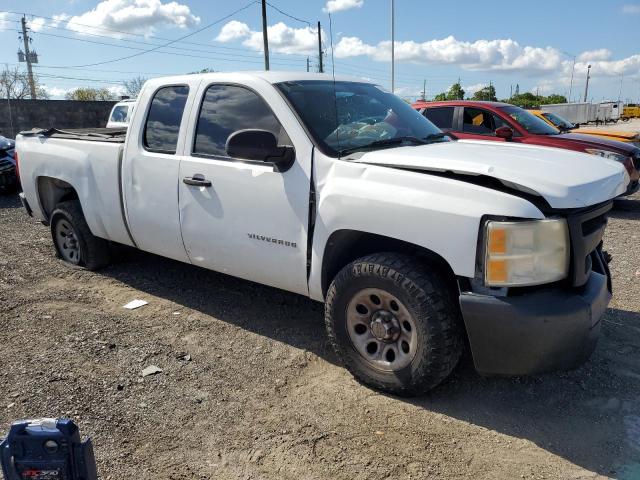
(393, 323)
(73, 241)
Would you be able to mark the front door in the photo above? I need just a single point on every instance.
(240, 217)
(480, 124)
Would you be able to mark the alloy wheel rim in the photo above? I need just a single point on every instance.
(67, 241)
(381, 329)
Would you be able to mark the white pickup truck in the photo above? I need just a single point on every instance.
(340, 191)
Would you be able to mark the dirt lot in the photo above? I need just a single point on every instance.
(632, 125)
(261, 396)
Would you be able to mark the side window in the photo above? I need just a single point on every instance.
(227, 109)
(163, 122)
(441, 117)
(480, 122)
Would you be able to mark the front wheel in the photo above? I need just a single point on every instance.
(393, 323)
(73, 241)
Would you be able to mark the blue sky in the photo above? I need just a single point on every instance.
(503, 42)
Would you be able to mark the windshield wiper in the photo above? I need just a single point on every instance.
(393, 141)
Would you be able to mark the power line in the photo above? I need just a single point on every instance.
(289, 15)
(172, 41)
(235, 55)
(120, 32)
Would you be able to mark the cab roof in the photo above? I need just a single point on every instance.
(270, 76)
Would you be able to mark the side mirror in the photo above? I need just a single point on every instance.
(258, 145)
(504, 132)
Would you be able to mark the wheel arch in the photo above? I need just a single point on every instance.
(51, 191)
(344, 246)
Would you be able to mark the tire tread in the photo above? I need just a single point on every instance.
(432, 293)
(95, 254)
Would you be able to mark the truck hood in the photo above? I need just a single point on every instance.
(564, 178)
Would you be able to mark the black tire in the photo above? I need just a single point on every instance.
(427, 299)
(93, 251)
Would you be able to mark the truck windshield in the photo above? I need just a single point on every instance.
(529, 121)
(344, 117)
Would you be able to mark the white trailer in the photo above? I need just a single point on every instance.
(582, 113)
(577, 113)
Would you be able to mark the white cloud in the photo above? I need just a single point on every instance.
(545, 87)
(352, 47)
(632, 9)
(4, 20)
(471, 89)
(233, 30)
(629, 67)
(593, 55)
(117, 90)
(282, 38)
(57, 93)
(340, 5)
(133, 16)
(501, 55)
(37, 24)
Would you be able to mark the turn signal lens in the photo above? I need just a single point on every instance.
(526, 253)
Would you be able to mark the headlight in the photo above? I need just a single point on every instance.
(525, 253)
(607, 154)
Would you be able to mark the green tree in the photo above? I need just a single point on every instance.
(455, 93)
(555, 98)
(487, 93)
(530, 100)
(89, 94)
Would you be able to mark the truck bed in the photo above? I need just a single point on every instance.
(87, 159)
(111, 135)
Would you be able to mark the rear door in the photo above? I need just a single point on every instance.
(441, 117)
(248, 220)
(151, 168)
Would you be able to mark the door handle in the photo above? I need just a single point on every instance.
(197, 181)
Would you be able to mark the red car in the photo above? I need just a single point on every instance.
(503, 122)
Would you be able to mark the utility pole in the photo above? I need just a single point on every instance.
(571, 83)
(424, 90)
(307, 64)
(586, 87)
(265, 37)
(621, 80)
(320, 67)
(393, 48)
(510, 91)
(27, 54)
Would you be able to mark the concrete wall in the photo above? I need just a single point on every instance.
(27, 114)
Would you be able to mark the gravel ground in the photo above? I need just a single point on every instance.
(632, 125)
(249, 388)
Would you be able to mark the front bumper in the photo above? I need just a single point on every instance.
(537, 332)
